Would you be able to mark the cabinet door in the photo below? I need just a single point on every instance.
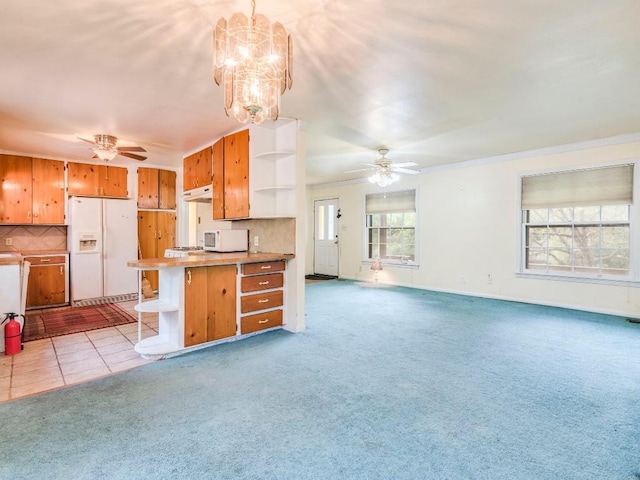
(48, 191)
(148, 188)
(203, 167)
(46, 285)
(221, 302)
(15, 189)
(166, 226)
(195, 306)
(148, 242)
(217, 157)
(236, 175)
(83, 179)
(113, 181)
(167, 189)
(197, 169)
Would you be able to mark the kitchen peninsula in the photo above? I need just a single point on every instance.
(211, 298)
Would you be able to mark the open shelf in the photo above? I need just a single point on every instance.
(155, 345)
(155, 306)
(274, 155)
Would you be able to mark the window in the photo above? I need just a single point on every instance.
(391, 226)
(578, 223)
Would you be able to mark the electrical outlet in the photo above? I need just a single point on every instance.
(462, 279)
(8, 241)
(256, 241)
(489, 279)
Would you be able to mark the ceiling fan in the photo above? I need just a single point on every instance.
(106, 148)
(386, 172)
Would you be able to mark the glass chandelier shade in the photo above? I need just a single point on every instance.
(253, 62)
(384, 177)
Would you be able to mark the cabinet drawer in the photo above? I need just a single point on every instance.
(261, 301)
(260, 321)
(262, 267)
(48, 260)
(261, 282)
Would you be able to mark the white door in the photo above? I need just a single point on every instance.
(325, 238)
(120, 233)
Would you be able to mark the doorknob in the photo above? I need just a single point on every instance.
(336, 240)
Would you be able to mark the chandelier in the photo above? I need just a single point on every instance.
(384, 177)
(253, 62)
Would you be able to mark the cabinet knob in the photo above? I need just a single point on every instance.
(61, 270)
(188, 277)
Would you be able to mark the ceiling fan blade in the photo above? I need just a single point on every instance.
(131, 149)
(404, 164)
(406, 170)
(360, 170)
(85, 140)
(132, 155)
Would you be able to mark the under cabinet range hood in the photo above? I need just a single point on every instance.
(201, 194)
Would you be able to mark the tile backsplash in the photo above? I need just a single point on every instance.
(32, 237)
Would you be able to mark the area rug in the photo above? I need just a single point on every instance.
(63, 321)
(317, 276)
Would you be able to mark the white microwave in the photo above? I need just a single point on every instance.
(226, 240)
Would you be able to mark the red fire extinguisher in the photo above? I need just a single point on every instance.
(12, 335)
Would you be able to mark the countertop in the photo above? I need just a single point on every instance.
(209, 258)
(16, 258)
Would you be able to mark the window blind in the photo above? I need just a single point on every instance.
(391, 202)
(579, 188)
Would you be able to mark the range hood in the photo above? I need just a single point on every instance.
(200, 194)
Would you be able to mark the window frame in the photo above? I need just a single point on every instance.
(401, 262)
(579, 276)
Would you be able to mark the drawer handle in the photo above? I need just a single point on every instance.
(265, 267)
(264, 283)
(263, 301)
(263, 321)
(45, 260)
(61, 270)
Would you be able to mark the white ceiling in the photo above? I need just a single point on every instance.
(435, 81)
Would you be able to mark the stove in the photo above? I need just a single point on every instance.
(183, 251)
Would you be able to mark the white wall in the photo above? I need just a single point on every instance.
(468, 227)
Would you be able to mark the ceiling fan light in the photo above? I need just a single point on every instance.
(105, 154)
(384, 178)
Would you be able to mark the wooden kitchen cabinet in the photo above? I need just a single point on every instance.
(254, 173)
(156, 188)
(196, 170)
(231, 176)
(32, 190)
(210, 304)
(156, 233)
(261, 296)
(93, 180)
(47, 284)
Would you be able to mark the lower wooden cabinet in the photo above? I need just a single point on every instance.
(47, 284)
(210, 304)
(156, 233)
(262, 296)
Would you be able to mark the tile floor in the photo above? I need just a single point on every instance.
(59, 361)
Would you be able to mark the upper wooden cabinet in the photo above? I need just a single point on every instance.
(254, 173)
(93, 180)
(197, 170)
(156, 188)
(32, 190)
(231, 176)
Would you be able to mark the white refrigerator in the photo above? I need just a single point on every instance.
(102, 237)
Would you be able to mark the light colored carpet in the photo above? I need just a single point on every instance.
(388, 383)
